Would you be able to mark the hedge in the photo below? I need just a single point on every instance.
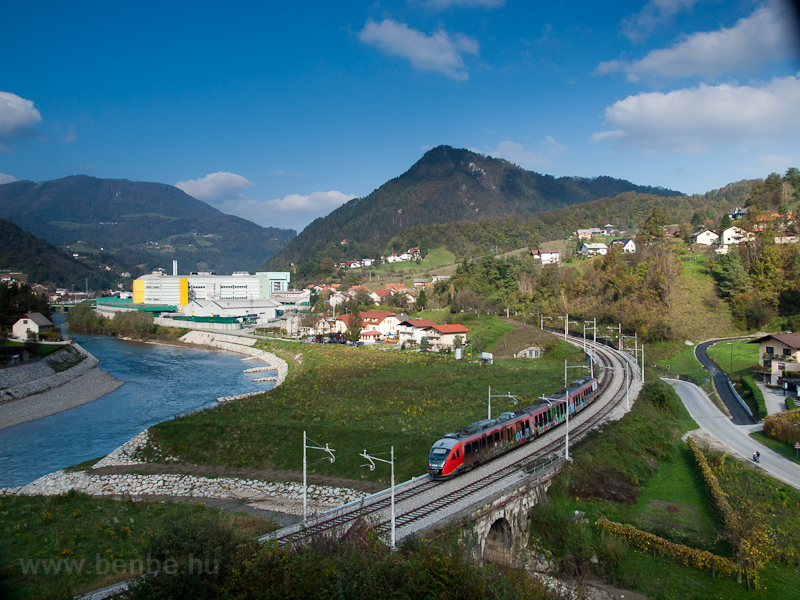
(751, 388)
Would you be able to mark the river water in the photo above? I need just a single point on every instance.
(160, 382)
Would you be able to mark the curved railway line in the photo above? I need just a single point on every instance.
(422, 503)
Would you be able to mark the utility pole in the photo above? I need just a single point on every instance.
(566, 436)
(506, 395)
(331, 458)
(371, 466)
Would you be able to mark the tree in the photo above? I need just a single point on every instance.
(422, 300)
(653, 227)
(354, 323)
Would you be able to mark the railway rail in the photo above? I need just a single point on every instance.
(421, 503)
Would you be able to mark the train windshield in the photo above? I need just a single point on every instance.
(439, 453)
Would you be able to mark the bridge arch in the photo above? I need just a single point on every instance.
(499, 545)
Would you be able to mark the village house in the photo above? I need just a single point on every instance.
(704, 237)
(382, 321)
(590, 249)
(587, 234)
(627, 245)
(778, 356)
(787, 237)
(735, 235)
(438, 336)
(35, 322)
(546, 257)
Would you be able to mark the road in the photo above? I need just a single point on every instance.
(739, 415)
(735, 437)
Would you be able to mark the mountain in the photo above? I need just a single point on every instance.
(445, 185)
(144, 224)
(45, 264)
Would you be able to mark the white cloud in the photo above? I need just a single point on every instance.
(436, 52)
(6, 178)
(294, 211)
(316, 202)
(17, 116)
(441, 4)
(216, 187)
(656, 12)
(692, 120)
(766, 35)
(548, 152)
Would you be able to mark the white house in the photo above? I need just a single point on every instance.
(383, 321)
(704, 237)
(593, 249)
(735, 235)
(35, 322)
(628, 246)
(546, 257)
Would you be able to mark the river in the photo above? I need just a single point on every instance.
(160, 382)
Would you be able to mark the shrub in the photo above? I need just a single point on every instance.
(753, 391)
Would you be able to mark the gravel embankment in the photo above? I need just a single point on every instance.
(35, 390)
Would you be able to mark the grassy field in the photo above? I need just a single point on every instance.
(81, 537)
(356, 399)
(436, 258)
(739, 352)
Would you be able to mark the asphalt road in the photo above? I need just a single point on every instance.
(735, 437)
(739, 416)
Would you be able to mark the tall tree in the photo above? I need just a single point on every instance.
(354, 323)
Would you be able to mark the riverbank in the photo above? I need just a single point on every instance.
(35, 390)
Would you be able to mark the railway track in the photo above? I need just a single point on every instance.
(418, 501)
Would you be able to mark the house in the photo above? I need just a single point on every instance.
(735, 235)
(546, 257)
(779, 354)
(593, 249)
(449, 333)
(395, 287)
(380, 296)
(587, 234)
(704, 237)
(384, 322)
(411, 331)
(627, 245)
(787, 237)
(737, 213)
(672, 231)
(35, 322)
(438, 336)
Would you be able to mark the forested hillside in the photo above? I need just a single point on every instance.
(45, 264)
(446, 185)
(147, 224)
(626, 211)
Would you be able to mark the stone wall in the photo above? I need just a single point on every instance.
(27, 379)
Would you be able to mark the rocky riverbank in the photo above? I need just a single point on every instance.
(35, 390)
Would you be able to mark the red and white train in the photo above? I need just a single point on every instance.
(482, 441)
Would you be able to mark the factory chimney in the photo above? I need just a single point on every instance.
(174, 268)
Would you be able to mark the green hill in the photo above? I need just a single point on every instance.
(45, 264)
(146, 224)
(446, 185)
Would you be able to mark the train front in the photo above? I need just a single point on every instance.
(444, 458)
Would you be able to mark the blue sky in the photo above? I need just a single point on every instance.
(279, 113)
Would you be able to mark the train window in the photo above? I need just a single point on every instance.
(483, 442)
(458, 453)
(467, 449)
(496, 436)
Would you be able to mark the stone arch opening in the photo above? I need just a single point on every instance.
(499, 546)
